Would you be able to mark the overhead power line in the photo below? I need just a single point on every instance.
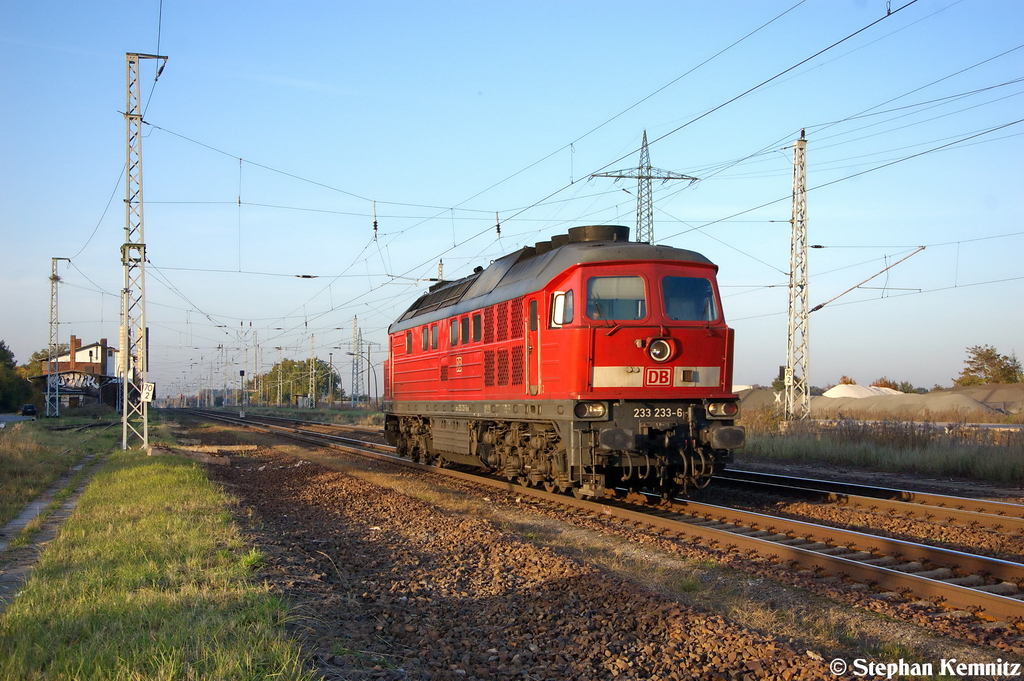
(726, 103)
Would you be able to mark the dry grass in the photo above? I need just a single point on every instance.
(32, 458)
(891, 445)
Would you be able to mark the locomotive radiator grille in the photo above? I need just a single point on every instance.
(489, 326)
(489, 368)
(502, 330)
(503, 367)
(516, 327)
(517, 365)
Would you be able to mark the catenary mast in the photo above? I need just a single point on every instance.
(136, 393)
(798, 390)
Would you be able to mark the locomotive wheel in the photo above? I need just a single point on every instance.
(579, 493)
(550, 487)
(524, 480)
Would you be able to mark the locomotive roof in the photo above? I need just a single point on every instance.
(525, 271)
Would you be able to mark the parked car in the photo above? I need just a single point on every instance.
(28, 410)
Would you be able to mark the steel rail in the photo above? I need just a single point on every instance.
(938, 501)
(294, 432)
(368, 430)
(998, 516)
(755, 534)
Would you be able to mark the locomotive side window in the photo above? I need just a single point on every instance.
(478, 328)
(465, 330)
(453, 325)
(426, 338)
(433, 336)
(408, 342)
(689, 299)
(616, 298)
(533, 315)
(561, 308)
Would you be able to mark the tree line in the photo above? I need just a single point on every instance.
(15, 388)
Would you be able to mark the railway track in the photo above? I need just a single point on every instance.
(994, 515)
(988, 587)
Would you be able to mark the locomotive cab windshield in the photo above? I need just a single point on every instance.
(616, 298)
(689, 299)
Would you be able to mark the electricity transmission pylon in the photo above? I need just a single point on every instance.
(133, 360)
(798, 389)
(643, 174)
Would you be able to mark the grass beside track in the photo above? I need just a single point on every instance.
(149, 579)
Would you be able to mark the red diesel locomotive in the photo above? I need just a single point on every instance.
(583, 363)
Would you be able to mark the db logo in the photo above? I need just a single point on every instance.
(660, 376)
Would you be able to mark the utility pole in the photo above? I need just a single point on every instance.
(798, 389)
(312, 374)
(370, 370)
(357, 361)
(643, 174)
(280, 372)
(53, 368)
(136, 392)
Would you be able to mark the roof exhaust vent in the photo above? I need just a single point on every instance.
(598, 233)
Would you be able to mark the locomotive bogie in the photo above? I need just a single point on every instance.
(571, 445)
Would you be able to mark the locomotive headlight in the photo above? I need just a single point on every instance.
(723, 409)
(590, 410)
(660, 350)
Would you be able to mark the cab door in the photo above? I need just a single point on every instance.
(533, 305)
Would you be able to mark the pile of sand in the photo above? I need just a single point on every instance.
(931, 406)
(864, 402)
(854, 390)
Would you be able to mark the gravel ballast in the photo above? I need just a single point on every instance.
(399, 574)
(387, 586)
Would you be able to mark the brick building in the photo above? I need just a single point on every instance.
(87, 374)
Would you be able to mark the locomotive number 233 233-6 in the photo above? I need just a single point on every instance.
(658, 412)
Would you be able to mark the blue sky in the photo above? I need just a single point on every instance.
(276, 126)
